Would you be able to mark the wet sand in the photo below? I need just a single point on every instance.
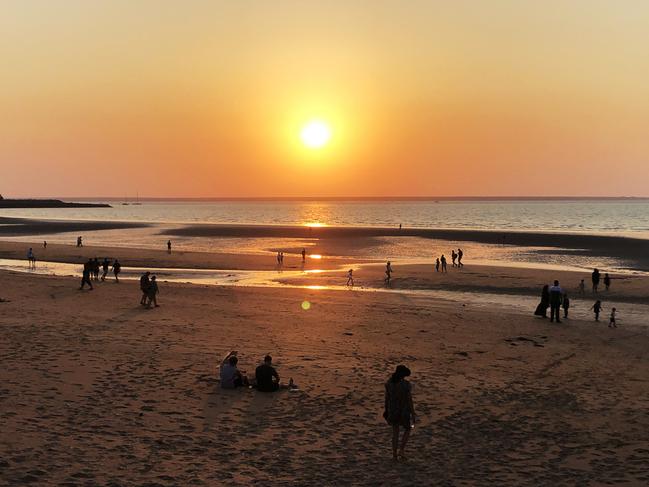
(96, 390)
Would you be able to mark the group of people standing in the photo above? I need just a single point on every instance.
(456, 261)
(91, 271)
(555, 298)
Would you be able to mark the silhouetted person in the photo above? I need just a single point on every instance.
(44, 244)
(144, 287)
(117, 268)
(303, 255)
(104, 268)
(169, 246)
(85, 277)
(611, 321)
(79, 241)
(437, 264)
(582, 287)
(95, 268)
(595, 279)
(266, 376)
(460, 254)
(31, 258)
(350, 277)
(556, 296)
(597, 309)
(542, 308)
(607, 281)
(443, 261)
(231, 377)
(388, 272)
(399, 411)
(399, 226)
(152, 293)
(565, 305)
(453, 258)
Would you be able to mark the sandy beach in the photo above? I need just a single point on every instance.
(97, 390)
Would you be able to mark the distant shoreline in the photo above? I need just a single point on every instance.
(47, 203)
(371, 198)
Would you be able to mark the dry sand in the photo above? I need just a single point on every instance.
(95, 390)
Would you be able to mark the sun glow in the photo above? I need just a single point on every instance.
(315, 134)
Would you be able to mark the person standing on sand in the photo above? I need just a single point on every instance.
(144, 287)
(388, 273)
(104, 267)
(460, 254)
(566, 305)
(607, 281)
(542, 308)
(303, 255)
(611, 321)
(44, 244)
(582, 287)
(437, 264)
(597, 309)
(556, 295)
(595, 279)
(85, 277)
(399, 411)
(168, 246)
(95, 268)
(79, 241)
(443, 261)
(350, 277)
(152, 292)
(453, 257)
(31, 259)
(117, 268)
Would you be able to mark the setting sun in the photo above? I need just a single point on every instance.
(315, 134)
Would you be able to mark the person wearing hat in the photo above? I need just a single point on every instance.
(399, 410)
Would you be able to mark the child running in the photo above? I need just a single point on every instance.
(611, 321)
(597, 308)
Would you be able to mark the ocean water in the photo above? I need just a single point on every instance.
(610, 217)
(597, 217)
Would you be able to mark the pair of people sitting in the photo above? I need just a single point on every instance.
(266, 377)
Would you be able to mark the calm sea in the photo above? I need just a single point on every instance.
(613, 217)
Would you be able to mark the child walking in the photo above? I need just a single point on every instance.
(597, 308)
(611, 321)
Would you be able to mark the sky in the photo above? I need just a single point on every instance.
(423, 98)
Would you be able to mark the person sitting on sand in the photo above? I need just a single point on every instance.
(611, 321)
(399, 411)
(266, 376)
(152, 292)
(350, 277)
(117, 268)
(597, 308)
(145, 281)
(542, 308)
(231, 377)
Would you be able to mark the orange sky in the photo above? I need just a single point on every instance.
(206, 98)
